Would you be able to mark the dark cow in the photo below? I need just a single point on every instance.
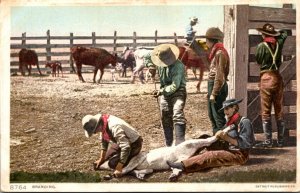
(191, 60)
(92, 56)
(55, 67)
(27, 58)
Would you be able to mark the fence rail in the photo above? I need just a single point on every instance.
(46, 51)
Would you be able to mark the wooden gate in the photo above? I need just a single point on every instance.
(241, 39)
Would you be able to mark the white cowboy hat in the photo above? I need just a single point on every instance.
(165, 55)
(90, 123)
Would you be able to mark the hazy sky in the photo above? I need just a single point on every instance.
(104, 20)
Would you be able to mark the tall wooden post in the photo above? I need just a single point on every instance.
(24, 40)
(155, 39)
(94, 39)
(48, 48)
(175, 39)
(237, 42)
(71, 60)
(115, 41)
(134, 40)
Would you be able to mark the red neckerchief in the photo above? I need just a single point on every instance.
(233, 119)
(216, 47)
(104, 132)
(270, 39)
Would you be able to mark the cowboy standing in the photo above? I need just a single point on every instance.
(126, 142)
(219, 69)
(268, 56)
(172, 90)
(241, 137)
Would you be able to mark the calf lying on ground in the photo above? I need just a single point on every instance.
(156, 159)
(56, 67)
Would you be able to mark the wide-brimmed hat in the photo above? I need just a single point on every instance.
(230, 102)
(268, 29)
(194, 19)
(90, 123)
(165, 55)
(214, 33)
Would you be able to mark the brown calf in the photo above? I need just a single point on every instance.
(56, 67)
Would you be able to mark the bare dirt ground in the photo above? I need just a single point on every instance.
(47, 136)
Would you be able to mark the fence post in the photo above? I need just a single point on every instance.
(93, 39)
(71, 60)
(134, 40)
(115, 41)
(155, 40)
(175, 38)
(48, 48)
(24, 40)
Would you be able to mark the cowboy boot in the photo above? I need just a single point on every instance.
(280, 133)
(267, 128)
(179, 133)
(168, 136)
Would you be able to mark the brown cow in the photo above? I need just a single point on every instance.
(92, 56)
(27, 58)
(55, 66)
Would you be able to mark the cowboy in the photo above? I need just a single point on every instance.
(241, 137)
(126, 142)
(172, 92)
(219, 69)
(190, 36)
(268, 56)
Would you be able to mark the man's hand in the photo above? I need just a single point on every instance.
(97, 164)
(118, 170)
(220, 134)
(212, 98)
(156, 93)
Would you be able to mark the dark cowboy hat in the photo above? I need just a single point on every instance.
(230, 102)
(269, 30)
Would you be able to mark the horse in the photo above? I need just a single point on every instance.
(191, 60)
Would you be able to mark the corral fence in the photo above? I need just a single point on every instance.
(241, 39)
(57, 48)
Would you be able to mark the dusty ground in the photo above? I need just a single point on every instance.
(46, 133)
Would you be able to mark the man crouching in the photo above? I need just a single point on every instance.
(127, 143)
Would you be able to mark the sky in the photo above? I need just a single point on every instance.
(104, 20)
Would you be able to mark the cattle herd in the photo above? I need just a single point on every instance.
(100, 58)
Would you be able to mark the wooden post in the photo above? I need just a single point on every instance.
(134, 40)
(24, 40)
(115, 41)
(48, 48)
(93, 39)
(71, 60)
(155, 39)
(175, 39)
(241, 55)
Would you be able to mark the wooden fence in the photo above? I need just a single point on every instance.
(241, 39)
(47, 49)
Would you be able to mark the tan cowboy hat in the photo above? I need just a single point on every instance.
(214, 33)
(194, 19)
(268, 29)
(165, 55)
(90, 123)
